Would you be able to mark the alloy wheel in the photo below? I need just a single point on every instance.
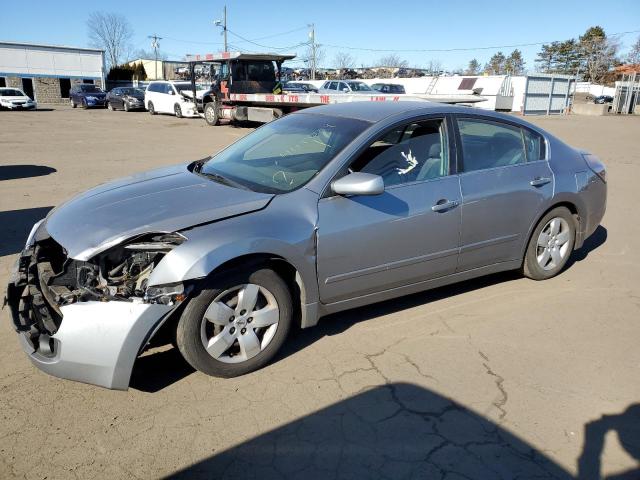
(239, 323)
(553, 243)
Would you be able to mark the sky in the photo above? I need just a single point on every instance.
(363, 29)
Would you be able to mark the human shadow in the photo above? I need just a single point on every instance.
(627, 426)
(15, 226)
(13, 172)
(397, 430)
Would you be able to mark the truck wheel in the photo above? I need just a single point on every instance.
(211, 113)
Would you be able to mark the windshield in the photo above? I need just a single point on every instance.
(186, 87)
(359, 87)
(90, 88)
(285, 154)
(132, 91)
(11, 93)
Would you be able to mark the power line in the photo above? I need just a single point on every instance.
(467, 49)
(198, 42)
(266, 46)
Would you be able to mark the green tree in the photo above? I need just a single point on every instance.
(547, 57)
(496, 65)
(473, 68)
(514, 63)
(598, 54)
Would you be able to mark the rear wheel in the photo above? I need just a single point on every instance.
(212, 113)
(551, 245)
(177, 110)
(236, 323)
(152, 110)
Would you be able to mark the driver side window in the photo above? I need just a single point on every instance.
(409, 153)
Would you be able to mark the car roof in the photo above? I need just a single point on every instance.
(375, 111)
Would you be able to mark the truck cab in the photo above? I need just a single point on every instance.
(240, 73)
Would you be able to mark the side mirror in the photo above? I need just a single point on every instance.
(171, 92)
(345, 90)
(359, 184)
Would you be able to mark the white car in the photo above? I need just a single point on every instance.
(170, 97)
(16, 99)
(354, 87)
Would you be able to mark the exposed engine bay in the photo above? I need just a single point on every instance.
(49, 279)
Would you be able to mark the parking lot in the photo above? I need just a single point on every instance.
(495, 375)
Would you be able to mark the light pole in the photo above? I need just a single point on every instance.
(312, 36)
(223, 23)
(155, 44)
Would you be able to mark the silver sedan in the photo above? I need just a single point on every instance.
(324, 210)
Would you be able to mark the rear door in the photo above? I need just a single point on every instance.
(505, 181)
(408, 234)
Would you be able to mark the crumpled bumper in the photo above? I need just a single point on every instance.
(93, 342)
(97, 342)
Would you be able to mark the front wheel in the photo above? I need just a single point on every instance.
(73, 104)
(126, 107)
(177, 110)
(211, 113)
(110, 106)
(236, 323)
(550, 245)
(84, 104)
(152, 110)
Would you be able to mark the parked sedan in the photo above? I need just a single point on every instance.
(300, 87)
(355, 87)
(603, 99)
(86, 95)
(228, 253)
(125, 98)
(388, 88)
(16, 99)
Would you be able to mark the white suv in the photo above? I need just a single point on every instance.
(170, 97)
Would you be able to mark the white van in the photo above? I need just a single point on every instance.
(170, 97)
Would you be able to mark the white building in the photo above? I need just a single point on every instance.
(46, 72)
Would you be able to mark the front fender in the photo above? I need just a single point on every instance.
(278, 230)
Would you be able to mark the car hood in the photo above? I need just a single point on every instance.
(12, 98)
(163, 200)
(94, 94)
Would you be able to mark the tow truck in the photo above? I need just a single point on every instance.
(248, 87)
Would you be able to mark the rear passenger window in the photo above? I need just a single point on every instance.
(487, 144)
(534, 146)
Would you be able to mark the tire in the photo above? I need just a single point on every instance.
(177, 110)
(152, 110)
(551, 245)
(126, 106)
(211, 113)
(83, 104)
(73, 104)
(110, 106)
(233, 328)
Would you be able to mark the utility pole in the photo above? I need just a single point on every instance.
(155, 44)
(312, 36)
(223, 23)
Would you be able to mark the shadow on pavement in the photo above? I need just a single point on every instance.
(597, 239)
(15, 226)
(156, 371)
(393, 431)
(627, 426)
(13, 172)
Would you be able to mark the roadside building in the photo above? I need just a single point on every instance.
(47, 72)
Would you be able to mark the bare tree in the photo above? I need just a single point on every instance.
(598, 53)
(146, 55)
(111, 32)
(634, 54)
(393, 61)
(343, 61)
(310, 53)
(434, 67)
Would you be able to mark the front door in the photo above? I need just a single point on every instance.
(505, 181)
(410, 233)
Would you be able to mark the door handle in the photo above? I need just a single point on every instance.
(444, 205)
(539, 181)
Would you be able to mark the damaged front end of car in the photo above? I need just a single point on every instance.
(89, 320)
